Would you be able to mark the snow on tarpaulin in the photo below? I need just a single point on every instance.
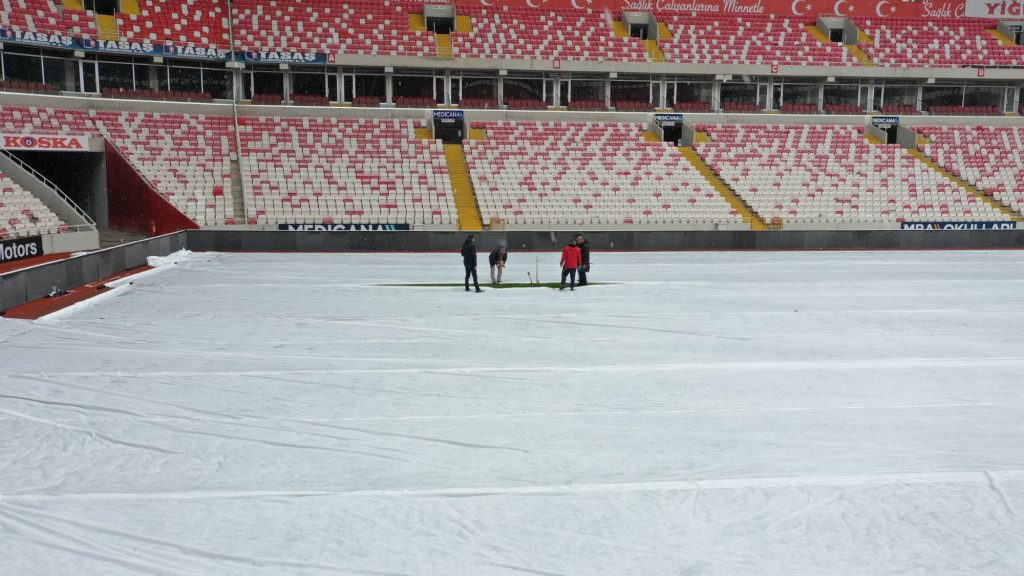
(718, 413)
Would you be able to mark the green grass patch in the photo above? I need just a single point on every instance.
(501, 286)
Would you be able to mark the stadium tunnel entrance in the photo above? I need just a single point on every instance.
(80, 175)
(450, 126)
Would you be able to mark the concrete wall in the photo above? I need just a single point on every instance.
(85, 103)
(29, 284)
(214, 240)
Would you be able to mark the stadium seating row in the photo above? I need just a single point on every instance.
(378, 171)
(382, 28)
(22, 214)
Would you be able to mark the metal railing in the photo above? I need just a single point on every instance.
(24, 166)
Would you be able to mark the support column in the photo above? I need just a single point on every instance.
(821, 97)
(501, 91)
(608, 93)
(716, 96)
(389, 87)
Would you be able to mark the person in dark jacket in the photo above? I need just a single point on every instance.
(497, 261)
(469, 261)
(584, 246)
(570, 262)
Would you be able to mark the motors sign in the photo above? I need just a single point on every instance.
(44, 143)
(343, 227)
(20, 248)
(959, 226)
(995, 8)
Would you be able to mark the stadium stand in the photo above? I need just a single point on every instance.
(22, 214)
(692, 107)
(799, 109)
(45, 121)
(747, 39)
(47, 17)
(336, 171)
(965, 110)
(843, 109)
(632, 106)
(550, 173)
(367, 101)
(937, 43)
(267, 99)
(20, 86)
(192, 23)
(480, 103)
(143, 94)
(522, 33)
(185, 157)
(366, 27)
(900, 109)
(987, 157)
(525, 104)
(826, 174)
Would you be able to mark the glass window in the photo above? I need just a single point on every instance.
(414, 86)
(936, 96)
(841, 93)
(586, 90)
(309, 84)
(524, 89)
(739, 93)
(268, 83)
(144, 76)
(799, 94)
(186, 79)
(217, 83)
(984, 96)
(23, 67)
(630, 91)
(369, 85)
(116, 75)
(89, 76)
(56, 74)
(477, 88)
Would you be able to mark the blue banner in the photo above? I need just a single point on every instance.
(284, 57)
(343, 227)
(148, 48)
(879, 121)
(449, 115)
(959, 225)
(668, 118)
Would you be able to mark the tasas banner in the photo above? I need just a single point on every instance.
(802, 8)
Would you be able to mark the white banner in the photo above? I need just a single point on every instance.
(44, 143)
(997, 9)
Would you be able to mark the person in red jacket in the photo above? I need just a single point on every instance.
(571, 260)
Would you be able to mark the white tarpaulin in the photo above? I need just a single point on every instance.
(720, 414)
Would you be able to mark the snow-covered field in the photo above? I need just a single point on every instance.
(714, 413)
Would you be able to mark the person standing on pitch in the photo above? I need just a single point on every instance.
(469, 261)
(497, 260)
(584, 246)
(571, 260)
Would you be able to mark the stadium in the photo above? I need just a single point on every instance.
(236, 241)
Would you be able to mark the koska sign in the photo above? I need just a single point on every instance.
(54, 143)
(995, 8)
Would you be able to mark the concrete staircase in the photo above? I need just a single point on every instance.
(477, 134)
(444, 45)
(1009, 213)
(417, 23)
(619, 29)
(73, 4)
(654, 51)
(858, 52)
(750, 217)
(463, 25)
(462, 186)
(130, 7)
(237, 193)
(1001, 38)
(106, 25)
